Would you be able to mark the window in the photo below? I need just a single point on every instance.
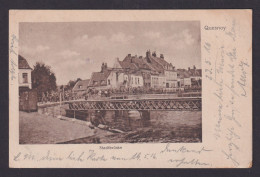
(108, 81)
(102, 82)
(25, 78)
(117, 74)
(138, 80)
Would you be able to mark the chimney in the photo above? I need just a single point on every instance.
(194, 67)
(129, 55)
(103, 67)
(148, 54)
(161, 56)
(189, 68)
(140, 57)
(154, 54)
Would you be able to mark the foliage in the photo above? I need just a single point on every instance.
(72, 83)
(43, 79)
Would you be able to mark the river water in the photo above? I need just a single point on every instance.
(161, 127)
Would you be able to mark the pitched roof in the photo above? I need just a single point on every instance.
(157, 66)
(128, 65)
(138, 63)
(81, 85)
(22, 63)
(195, 72)
(100, 78)
(152, 63)
(164, 65)
(183, 73)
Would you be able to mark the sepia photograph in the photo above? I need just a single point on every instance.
(110, 82)
(124, 89)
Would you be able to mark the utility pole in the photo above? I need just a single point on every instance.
(63, 91)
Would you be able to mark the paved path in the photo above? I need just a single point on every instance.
(37, 128)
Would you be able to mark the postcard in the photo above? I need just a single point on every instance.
(130, 88)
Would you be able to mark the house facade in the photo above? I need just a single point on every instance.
(136, 80)
(98, 80)
(81, 85)
(149, 71)
(196, 76)
(24, 74)
(148, 66)
(158, 81)
(190, 77)
(171, 78)
(116, 79)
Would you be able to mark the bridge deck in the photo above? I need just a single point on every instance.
(172, 104)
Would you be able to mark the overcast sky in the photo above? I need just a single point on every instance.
(76, 49)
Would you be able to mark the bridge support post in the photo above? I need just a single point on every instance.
(145, 115)
(101, 113)
(121, 113)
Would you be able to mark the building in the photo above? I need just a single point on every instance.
(116, 79)
(147, 66)
(81, 85)
(24, 74)
(171, 78)
(190, 77)
(99, 80)
(136, 80)
(168, 70)
(158, 81)
(196, 76)
(149, 71)
(183, 78)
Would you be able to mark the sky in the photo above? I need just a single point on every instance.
(76, 49)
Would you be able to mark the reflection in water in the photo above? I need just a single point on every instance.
(126, 120)
(162, 125)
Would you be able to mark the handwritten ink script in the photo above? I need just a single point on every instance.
(13, 54)
(99, 156)
(229, 73)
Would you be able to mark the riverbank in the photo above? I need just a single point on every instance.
(146, 135)
(35, 128)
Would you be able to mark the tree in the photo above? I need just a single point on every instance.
(72, 83)
(43, 79)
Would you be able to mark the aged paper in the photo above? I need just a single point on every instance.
(174, 120)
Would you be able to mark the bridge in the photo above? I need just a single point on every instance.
(171, 104)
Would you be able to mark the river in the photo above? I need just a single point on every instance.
(162, 127)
